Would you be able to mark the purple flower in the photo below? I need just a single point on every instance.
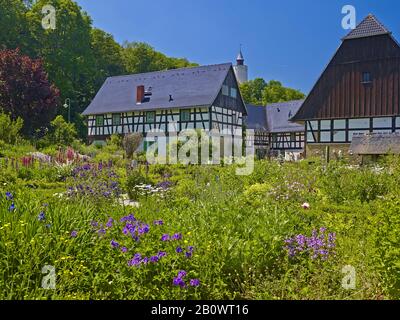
(74, 234)
(114, 244)
(322, 230)
(177, 236)
(41, 216)
(48, 226)
(182, 274)
(191, 248)
(101, 232)
(154, 259)
(145, 260)
(124, 249)
(144, 228)
(12, 207)
(135, 261)
(188, 254)
(158, 222)
(131, 218)
(109, 223)
(179, 250)
(161, 254)
(179, 282)
(9, 196)
(165, 237)
(194, 282)
(94, 224)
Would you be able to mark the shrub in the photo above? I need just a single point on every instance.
(135, 178)
(9, 128)
(63, 133)
(131, 143)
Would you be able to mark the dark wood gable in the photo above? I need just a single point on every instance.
(226, 101)
(362, 80)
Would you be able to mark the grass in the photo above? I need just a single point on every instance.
(237, 226)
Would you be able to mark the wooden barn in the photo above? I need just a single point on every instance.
(205, 97)
(274, 133)
(357, 93)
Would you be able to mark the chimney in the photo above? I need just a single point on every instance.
(139, 94)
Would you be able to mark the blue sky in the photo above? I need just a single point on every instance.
(286, 40)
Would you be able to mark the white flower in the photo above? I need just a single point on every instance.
(305, 205)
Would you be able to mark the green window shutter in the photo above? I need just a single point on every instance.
(185, 115)
(150, 117)
(99, 120)
(116, 119)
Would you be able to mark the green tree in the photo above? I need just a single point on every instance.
(259, 92)
(13, 26)
(140, 57)
(107, 54)
(274, 92)
(63, 133)
(252, 91)
(10, 129)
(66, 51)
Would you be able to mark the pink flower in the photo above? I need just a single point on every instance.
(305, 206)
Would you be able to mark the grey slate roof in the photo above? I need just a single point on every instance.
(189, 87)
(370, 26)
(278, 115)
(376, 144)
(256, 118)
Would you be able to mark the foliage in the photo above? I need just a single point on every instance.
(259, 92)
(9, 129)
(63, 133)
(25, 91)
(226, 231)
(131, 143)
(140, 57)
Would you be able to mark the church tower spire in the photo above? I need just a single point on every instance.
(241, 70)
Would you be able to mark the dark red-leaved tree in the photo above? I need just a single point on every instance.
(25, 90)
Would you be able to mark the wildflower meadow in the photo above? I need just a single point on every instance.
(113, 230)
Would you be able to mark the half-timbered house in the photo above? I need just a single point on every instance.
(205, 97)
(256, 120)
(274, 133)
(358, 92)
(284, 136)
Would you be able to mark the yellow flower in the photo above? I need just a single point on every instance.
(189, 233)
(185, 241)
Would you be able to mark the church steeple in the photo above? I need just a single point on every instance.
(240, 68)
(240, 59)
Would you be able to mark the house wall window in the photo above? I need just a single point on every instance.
(397, 122)
(325, 136)
(366, 77)
(99, 120)
(310, 137)
(185, 115)
(233, 93)
(339, 136)
(150, 116)
(325, 124)
(339, 124)
(116, 119)
(382, 122)
(312, 125)
(225, 90)
(359, 123)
